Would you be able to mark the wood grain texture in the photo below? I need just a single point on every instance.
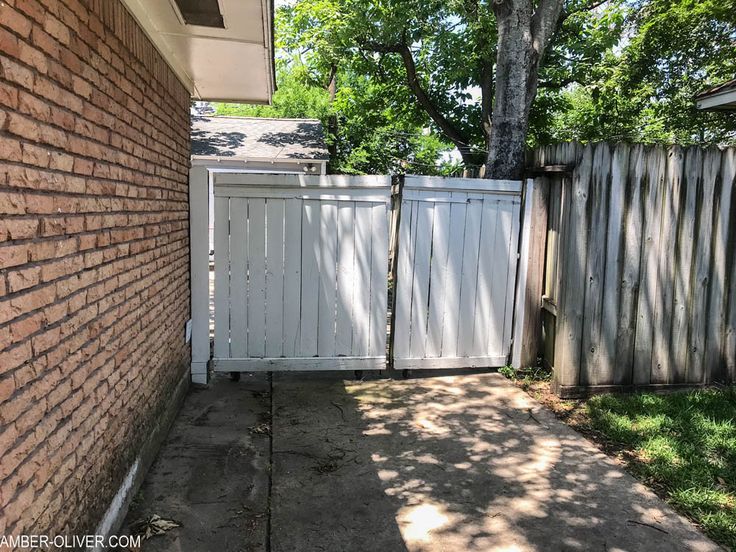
(653, 229)
(301, 278)
(456, 272)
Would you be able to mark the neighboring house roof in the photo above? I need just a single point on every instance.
(258, 138)
(722, 97)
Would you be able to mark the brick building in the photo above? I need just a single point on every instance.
(94, 238)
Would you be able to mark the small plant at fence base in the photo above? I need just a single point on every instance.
(526, 376)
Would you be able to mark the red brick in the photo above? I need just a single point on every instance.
(14, 20)
(27, 325)
(11, 151)
(8, 42)
(12, 203)
(23, 279)
(13, 255)
(14, 72)
(15, 356)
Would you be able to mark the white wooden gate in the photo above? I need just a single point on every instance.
(301, 269)
(457, 258)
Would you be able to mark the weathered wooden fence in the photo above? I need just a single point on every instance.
(640, 258)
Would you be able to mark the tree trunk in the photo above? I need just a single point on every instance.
(515, 88)
(523, 35)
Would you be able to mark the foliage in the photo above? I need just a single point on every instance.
(683, 444)
(617, 70)
(643, 90)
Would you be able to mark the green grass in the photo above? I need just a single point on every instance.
(684, 446)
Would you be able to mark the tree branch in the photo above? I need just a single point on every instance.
(450, 130)
(544, 22)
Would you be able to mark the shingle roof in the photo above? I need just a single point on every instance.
(253, 137)
(723, 87)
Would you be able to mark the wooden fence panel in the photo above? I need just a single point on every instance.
(301, 271)
(641, 254)
(457, 260)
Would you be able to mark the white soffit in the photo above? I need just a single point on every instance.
(234, 63)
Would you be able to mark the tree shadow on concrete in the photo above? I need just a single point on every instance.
(448, 463)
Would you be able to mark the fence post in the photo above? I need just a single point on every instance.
(528, 321)
(199, 266)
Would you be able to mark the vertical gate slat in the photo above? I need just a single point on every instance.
(362, 285)
(421, 282)
(310, 279)
(469, 278)
(238, 277)
(488, 259)
(510, 228)
(222, 277)
(328, 279)
(345, 278)
(256, 277)
(292, 276)
(438, 273)
(454, 271)
(684, 248)
(274, 277)
(494, 267)
(698, 318)
(379, 279)
(404, 274)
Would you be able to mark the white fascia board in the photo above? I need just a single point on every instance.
(721, 99)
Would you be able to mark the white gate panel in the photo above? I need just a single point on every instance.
(301, 272)
(457, 258)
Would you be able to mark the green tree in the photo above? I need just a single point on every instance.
(643, 90)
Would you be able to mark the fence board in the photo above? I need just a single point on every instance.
(439, 271)
(238, 278)
(274, 277)
(345, 279)
(222, 277)
(301, 276)
(729, 340)
(702, 268)
(595, 270)
(670, 205)
(454, 269)
(362, 284)
(469, 278)
(650, 250)
(613, 266)
(327, 262)
(379, 278)
(256, 277)
(292, 276)
(573, 260)
(653, 250)
(456, 272)
(629, 293)
(716, 358)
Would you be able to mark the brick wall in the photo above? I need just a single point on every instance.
(94, 258)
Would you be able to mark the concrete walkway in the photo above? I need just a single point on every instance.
(427, 464)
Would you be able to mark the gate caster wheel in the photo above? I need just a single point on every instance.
(359, 374)
(234, 376)
(405, 373)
